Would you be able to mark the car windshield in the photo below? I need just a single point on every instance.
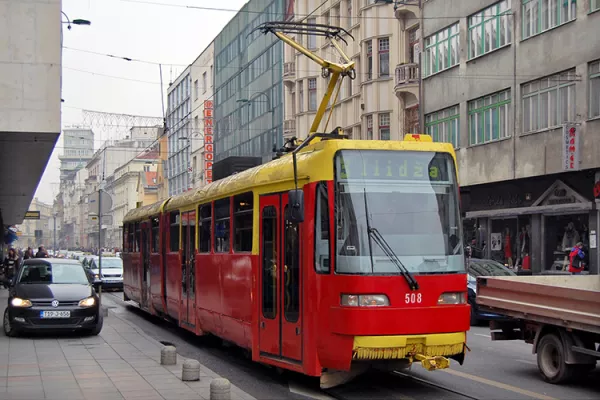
(55, 273)
(411, 198)
(488, 268)
(109, 263)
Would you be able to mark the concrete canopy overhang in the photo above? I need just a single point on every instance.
(23, 159)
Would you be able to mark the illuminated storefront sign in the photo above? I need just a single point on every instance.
(208, 141)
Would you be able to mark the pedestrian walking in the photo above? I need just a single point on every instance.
(10, 267)
(42, 253)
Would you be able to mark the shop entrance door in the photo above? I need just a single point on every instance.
(280, 322)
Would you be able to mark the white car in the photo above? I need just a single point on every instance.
(112, 272)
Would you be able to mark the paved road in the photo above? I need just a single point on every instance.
(493, 370)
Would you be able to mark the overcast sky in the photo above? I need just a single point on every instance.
(173, 36)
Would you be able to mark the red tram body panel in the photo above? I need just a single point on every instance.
(315, 296)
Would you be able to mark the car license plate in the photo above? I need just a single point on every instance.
(55, 314)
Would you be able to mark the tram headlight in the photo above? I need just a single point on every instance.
(452, 298)
(365, 300)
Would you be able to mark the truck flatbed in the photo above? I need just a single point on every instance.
(559, 315)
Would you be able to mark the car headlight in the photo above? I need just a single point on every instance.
(365, 300)
(452, 298)
(88, 302)
(97, 276)
(17, 302)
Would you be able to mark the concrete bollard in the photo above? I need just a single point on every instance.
(220, 389)
(168, 355)
(190, 370)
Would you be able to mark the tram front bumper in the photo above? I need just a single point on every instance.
(431, 350)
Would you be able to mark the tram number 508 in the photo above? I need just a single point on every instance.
(413, 298)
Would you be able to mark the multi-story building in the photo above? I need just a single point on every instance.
(382, 102)
(178, 130)
(201, 135)
(248, 101)
(30, 82)
(36, 232)
(515, 86)
(74, 202)
(78, 149)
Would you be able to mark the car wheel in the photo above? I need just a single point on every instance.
(98, 328)
(9, 329)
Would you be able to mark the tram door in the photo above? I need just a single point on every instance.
(188, 270)
(145, 265)
(280, 322)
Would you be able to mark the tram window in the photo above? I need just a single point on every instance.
(205, 219)
(174, 231)
(242, 220)
(131, 237)
(291, 280)
(322, 246)
(269, 262)
(125, 237)
(155, 234)
(222, 212)
(137, 248)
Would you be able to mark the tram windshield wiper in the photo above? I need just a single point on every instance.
(381, 242)
(377, 237)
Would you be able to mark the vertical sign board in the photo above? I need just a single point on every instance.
(571, 133)
(208, 141)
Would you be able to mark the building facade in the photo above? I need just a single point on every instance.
(382, 102)
(201, 135)
(178, 133)
(515, 86)
(78, 149)
(34, 233)
(30, 82)
(248, 84)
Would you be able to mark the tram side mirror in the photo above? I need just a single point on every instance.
(296, 202)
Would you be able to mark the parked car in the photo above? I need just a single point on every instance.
(112, 272)
(481, 267)
(52, 294)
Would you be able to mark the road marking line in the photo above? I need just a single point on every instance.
(527, 362)
(481, 334)
(499, 385)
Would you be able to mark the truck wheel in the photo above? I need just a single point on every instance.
(551, 360)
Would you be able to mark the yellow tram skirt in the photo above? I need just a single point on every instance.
(408, 346)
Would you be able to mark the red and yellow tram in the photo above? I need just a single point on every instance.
(342, 255)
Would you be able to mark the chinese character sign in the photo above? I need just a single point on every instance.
(571, 133)
(208, 141)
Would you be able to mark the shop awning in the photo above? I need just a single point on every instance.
(548, 209)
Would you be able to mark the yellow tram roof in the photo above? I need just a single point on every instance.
(313, 163)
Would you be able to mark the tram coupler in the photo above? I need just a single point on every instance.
(432, 363)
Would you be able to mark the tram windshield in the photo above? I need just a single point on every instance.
(412, 200)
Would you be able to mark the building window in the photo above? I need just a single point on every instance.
(594, 5)
(549, 102)
(300, 96)
(442, 125)
(312, 94)
(384, 57)
(312, 38)
(204, 84)
(489, 29)
(384, 126)
(488, 118)
(441, 50)
(349, 8)
(413, 45)
(411, 120)
(369, 60)
(369, 127)
(541, 15)
(196, 89)
(349, 87)
(595, 88)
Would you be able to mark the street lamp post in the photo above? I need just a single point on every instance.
(270, 107)
(76, 21)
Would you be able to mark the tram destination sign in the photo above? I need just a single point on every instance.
(393, 165)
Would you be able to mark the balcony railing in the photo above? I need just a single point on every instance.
(407, 74)
(289, 69)
(289, 125)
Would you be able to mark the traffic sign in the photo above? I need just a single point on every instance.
(93, 201)
(32, 215)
